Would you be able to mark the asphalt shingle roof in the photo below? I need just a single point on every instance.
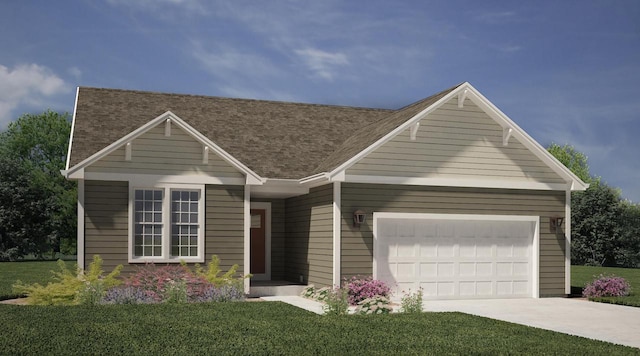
(274, 139)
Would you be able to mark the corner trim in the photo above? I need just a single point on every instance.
(567, 242)
(247, 237)
(337, 233)
(80, 258)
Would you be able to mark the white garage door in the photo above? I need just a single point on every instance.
(456, 256)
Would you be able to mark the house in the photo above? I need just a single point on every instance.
(447, 194)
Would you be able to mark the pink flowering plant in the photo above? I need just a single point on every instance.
(168, 283)
(607, 286)
(360, 288)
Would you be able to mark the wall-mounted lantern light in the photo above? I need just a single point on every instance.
(358, 218)
(555, 223)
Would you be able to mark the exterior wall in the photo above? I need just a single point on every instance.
(106, 224)
(277, 237)
(309, 240)
(224, 225)
(452, 142)
(154, 153)
(357, 243)
(106, 212)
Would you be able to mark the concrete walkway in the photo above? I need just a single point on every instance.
(606, 322)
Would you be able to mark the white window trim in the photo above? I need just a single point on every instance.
(166, 224)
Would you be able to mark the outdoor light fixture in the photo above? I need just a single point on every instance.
(358, 218)
(555, 223)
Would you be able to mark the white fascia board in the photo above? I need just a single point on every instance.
(407, 124)
(315, 180)
(151, 179)
(503, 120)
(252, 177)
(455, 182)
(73, 126)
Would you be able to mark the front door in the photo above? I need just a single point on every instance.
(258, 242)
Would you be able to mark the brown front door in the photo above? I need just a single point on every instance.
(258, 244)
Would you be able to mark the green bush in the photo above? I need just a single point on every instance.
(336, 302)
(212, 274)
(412, 302)
(71, 288)
(374, 305)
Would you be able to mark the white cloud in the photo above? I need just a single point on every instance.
(26, 84)
(323, 64)
(231, 64)
(75, 72)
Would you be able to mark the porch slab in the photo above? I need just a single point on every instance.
(260, 289)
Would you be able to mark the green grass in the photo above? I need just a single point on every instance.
(265, 328)
(28, 272)
(581, 275)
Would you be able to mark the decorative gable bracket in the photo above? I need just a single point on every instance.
(413, 131)
(127, 151)
(461, 97)
(167, 128)
(506, 134)
(205, 155)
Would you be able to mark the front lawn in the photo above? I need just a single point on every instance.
(261, 328)
(581, 275)
(28, 272)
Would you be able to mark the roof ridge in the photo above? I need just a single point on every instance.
(147, 92)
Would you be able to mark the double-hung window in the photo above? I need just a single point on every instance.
(167, 224)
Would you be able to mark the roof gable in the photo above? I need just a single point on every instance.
(410, 118)
(124, 144)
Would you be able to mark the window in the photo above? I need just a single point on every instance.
(167, 224)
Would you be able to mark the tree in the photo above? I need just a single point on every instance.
(605, 229)
(574, 160)
(33, 151)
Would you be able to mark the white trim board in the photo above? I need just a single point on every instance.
(455, 182)
(267, 240)
(337, 233)
(80, 253)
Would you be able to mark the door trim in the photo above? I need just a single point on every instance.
(535, 244)
(266, 206)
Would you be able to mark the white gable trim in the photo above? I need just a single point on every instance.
(467, 91)
(73, 126)
(455, 182)
(251, 177)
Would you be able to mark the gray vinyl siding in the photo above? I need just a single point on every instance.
(456, 143)
(309, 241)
(154, 153)
(106, 211)
(106, 224)
(224, 226)
(357, 243)
(277, 237)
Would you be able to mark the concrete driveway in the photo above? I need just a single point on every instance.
(607, 322)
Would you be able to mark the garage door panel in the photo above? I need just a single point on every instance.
(454, 258)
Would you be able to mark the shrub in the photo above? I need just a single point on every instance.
(360, 288)
(412, 302)
(172, 283)
(128, 295)
(212, 275)
(322, 294)
(374, 305)
(336, 302)
(228, 293)
(308, 291)
(607, 286)
(71, 288)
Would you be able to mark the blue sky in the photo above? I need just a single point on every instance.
(565, 71)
